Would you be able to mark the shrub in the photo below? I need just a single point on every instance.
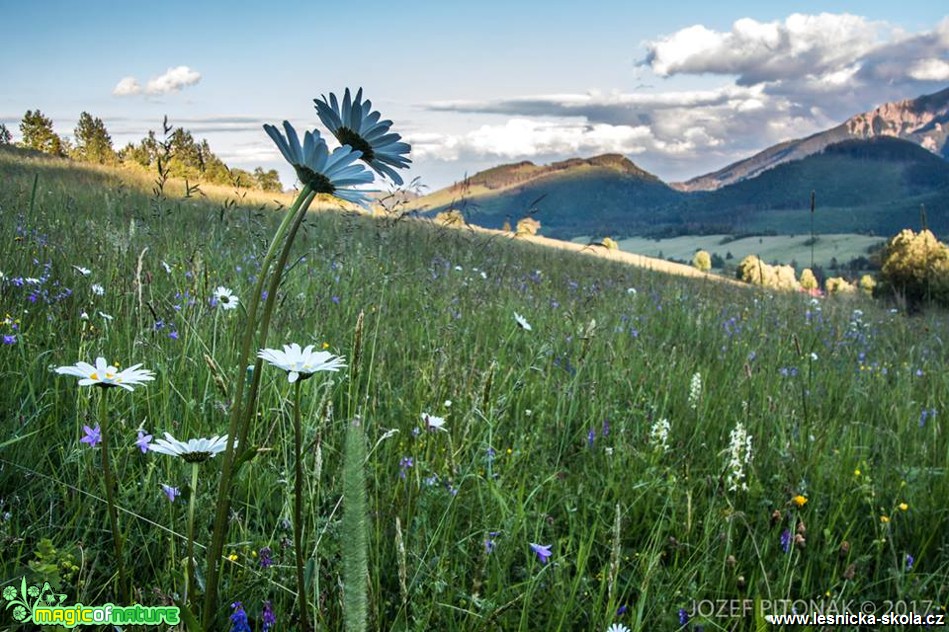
(450, 218)
(528, 226)
(753, 270)
(839, 285)
(808, 280)
(916, 266)
(867, 283)
(609, 243)
(702, 261)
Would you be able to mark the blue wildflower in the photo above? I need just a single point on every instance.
(239, 621)
(542, 551)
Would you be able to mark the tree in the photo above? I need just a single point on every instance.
(6, 137)
(528, 226)
(451, 217)
(702, 261)
(268, 180)
(916, 266)
(93, 143)
(38, 134)
(808, 280)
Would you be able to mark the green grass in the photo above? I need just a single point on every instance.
(781, 248)
(548, 431)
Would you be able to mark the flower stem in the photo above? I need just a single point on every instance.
(191, 503)
(298, 505)
(355, 543)
(109, 481)
(241, 413)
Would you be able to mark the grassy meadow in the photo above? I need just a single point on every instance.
(769, 248)
(673, 441)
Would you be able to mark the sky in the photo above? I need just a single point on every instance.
(680, 88)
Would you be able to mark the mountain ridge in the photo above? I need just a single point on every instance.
(923, 120)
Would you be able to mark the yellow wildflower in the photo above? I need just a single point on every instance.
(799, 500)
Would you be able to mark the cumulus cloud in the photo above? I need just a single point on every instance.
(779, 80)
(173, 80)
(758, 52)
(670, 124)
(127, 86)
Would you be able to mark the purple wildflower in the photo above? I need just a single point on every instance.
(590, 437)
(239, 618)
(335, 299)
(9, 340)
(910, 560)
(170, 492)
(786, 540)
(173, 335)
(542, 551)
(143, 442)
(404, 465)
(265, 557)
(621, 610)
(93, 436)
(926, 414)
(605, 432)
(683, 616)
(268, 616)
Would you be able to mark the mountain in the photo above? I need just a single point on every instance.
(874, 186)
(571, 197)
(871, 174)
(924, 121)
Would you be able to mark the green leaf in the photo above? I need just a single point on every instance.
(191, 623)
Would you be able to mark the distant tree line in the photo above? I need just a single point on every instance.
(183, 156)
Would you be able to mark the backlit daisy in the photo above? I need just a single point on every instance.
(356, 125)
(317, 167)
(522, 322)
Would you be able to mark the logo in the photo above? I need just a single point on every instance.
(41, 605)
(30, 597)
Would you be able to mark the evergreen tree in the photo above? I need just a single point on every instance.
(93, 142)
(38, 134)
(6, 138)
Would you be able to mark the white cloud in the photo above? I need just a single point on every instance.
(930, 70)
(173, 80)
(759, 52)
(780, 80)
(127, 87)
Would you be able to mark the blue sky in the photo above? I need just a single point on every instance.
(681, 88)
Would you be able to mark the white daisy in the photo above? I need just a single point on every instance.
(617, 627)
(521, 322)
(97, 289)
(225, 298)
(356, 125)
(193, 450)
(82, 271)
(301, 364)
(105, 375)
(434, 423)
